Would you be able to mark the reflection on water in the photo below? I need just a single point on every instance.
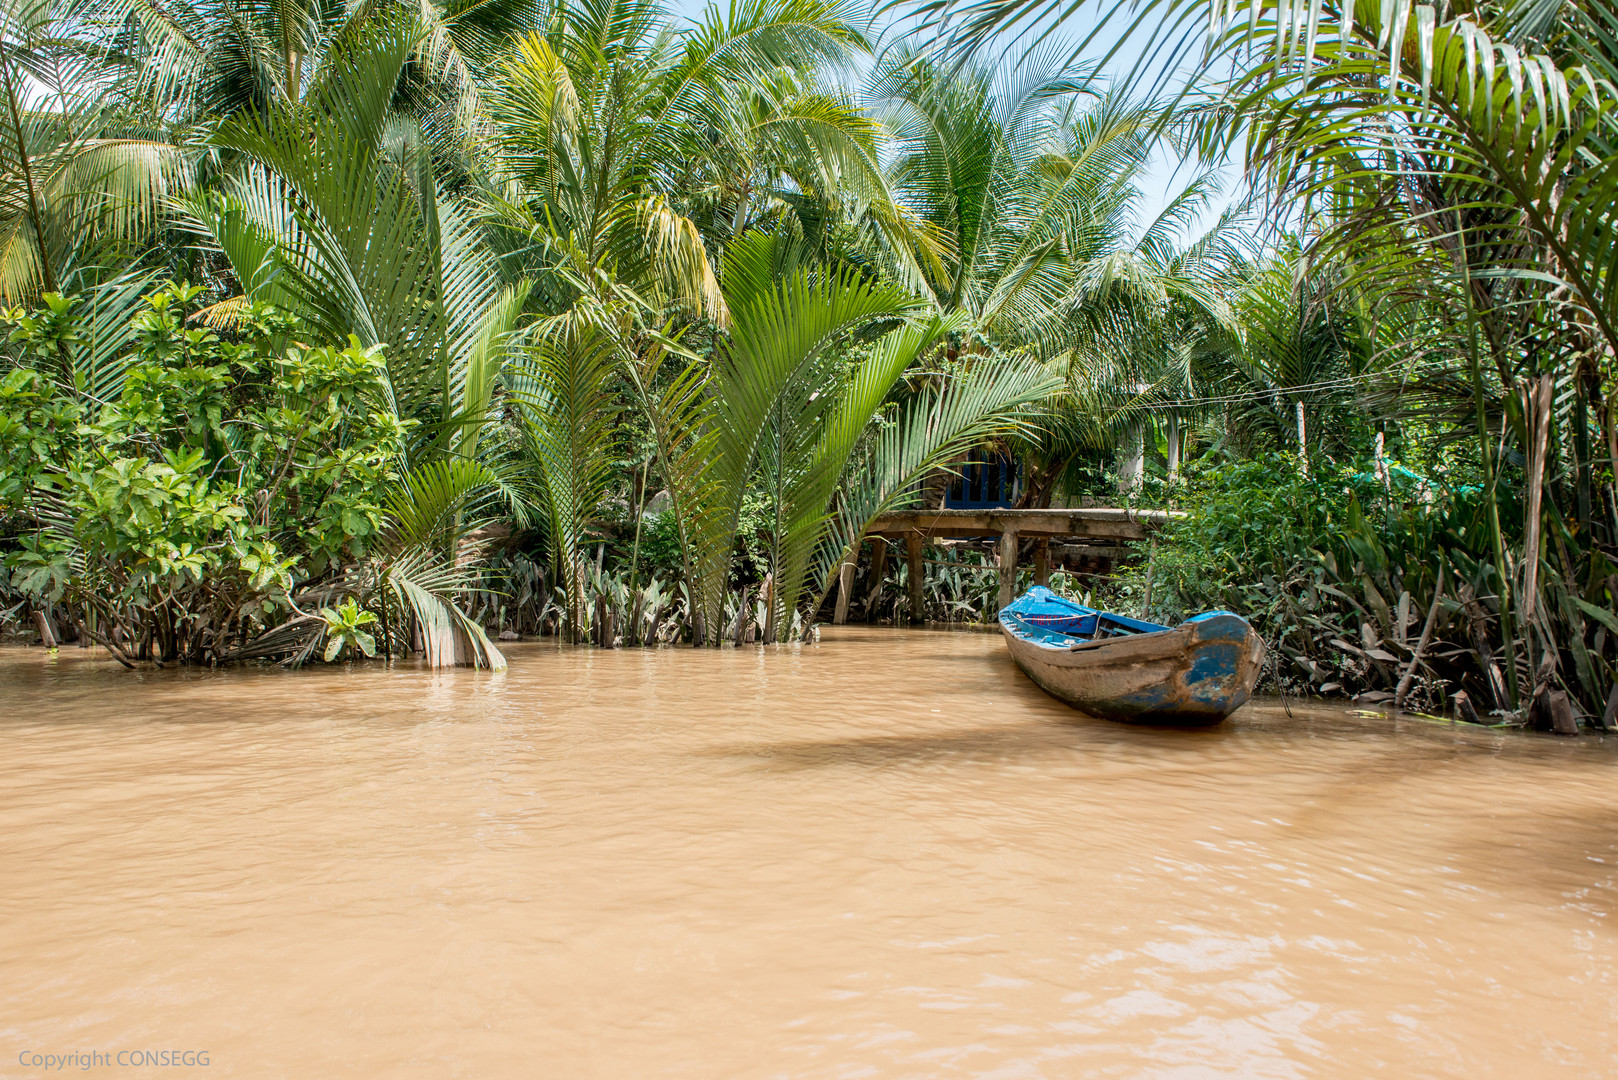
(887, 855)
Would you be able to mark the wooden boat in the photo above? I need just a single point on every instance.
(1124, 669)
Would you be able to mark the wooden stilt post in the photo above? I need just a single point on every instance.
(1561, 710)
(918, 595)
(1008, 566)
(845, 586)
(879, 570)
(1042, 562)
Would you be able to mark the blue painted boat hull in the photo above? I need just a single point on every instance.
(1196, 673)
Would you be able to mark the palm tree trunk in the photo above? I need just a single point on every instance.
(1611, 408)
(1486, 457)
(1537, 400)
(1303, 442)
(1174, 446)
(1581, 444)
(775, 534)
(1133, 466)
(387, 630)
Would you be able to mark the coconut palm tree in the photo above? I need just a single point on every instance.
(1306, 350)
(625, 154)
(1025, 183)
(333, 211)
(195, 62)
(623, 148)
(83, 186)
(1037, 185)
(1465, 152)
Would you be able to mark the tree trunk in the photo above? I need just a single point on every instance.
(738, 630)
(1132, 464)
(47, 275)
(1486, 459)
(1537, 399)
(845, 587)
(1303, 442)
(771, 626)
(1151, 564)
(1581, 446)
(1612, 459)
(1174, 446)
(1560, 708)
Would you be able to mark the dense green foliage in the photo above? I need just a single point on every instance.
(1337, 569)
(224, 469)
(1446, 172)
(566, 317)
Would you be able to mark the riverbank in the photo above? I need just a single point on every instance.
(885, 855)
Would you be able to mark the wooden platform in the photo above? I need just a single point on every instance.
(1095, 525)
(1090, 523)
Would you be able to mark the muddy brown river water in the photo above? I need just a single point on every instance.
(887, 855)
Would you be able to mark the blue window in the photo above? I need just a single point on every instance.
(986, 481)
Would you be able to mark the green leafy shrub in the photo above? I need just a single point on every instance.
(1335, 569)
(180, 514)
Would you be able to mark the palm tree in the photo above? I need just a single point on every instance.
(331, 209)
(626, 152)
(196, 62)
(624, 155)
(1024, 184)
(1465, 152)
(1038, 193)
(83, 186)
(788, 404)
(1306, 350)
